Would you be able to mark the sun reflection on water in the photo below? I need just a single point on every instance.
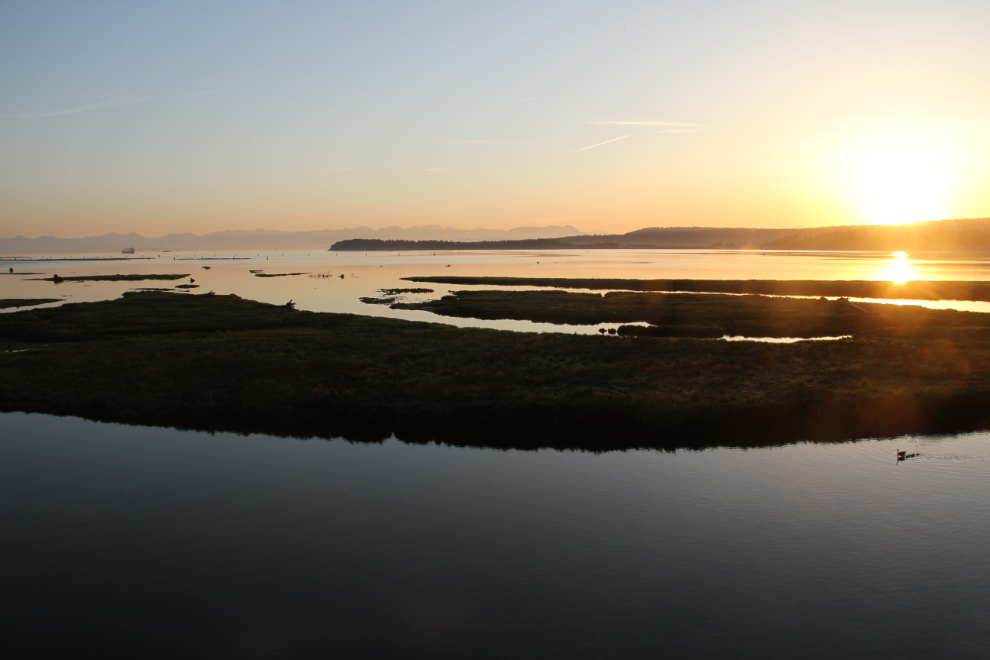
(900, 269)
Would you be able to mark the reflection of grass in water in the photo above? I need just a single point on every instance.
(7, 303)
(223, 363)
(911, 290)
(278, 274)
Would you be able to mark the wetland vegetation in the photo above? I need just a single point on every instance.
(7, 303)
(113, 278)
(707, 315)
(224, 363)
(912, 290)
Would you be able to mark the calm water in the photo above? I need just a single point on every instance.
(146, 542)
(365, 275)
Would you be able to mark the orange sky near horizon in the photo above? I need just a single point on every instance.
(606, 116)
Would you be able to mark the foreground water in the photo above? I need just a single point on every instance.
(148, 542)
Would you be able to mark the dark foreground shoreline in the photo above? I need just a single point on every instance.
(221, 363)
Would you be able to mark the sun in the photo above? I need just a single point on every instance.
(901, 179)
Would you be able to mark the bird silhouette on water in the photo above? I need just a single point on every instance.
(903, 455)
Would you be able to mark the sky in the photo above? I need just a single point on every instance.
(609, 116)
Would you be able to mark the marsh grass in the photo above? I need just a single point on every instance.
(113, 278)
(708, 315)
(393, 292)
(223, 363)
(7, 303)
(910, 290)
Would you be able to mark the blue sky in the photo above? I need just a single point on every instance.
(159, 117)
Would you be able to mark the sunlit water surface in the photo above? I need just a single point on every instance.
(364, 275)
(149, 542)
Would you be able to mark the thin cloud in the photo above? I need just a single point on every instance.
(661, 126)
(115, 102)
(437, 169)
(601, 143)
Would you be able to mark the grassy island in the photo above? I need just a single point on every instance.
(7, 303)
(114, 278)
(223, 363)
(708, 315)
(910, 290)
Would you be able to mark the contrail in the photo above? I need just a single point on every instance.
(601, 143)
(112, 103)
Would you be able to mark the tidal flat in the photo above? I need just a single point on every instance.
(222, 363)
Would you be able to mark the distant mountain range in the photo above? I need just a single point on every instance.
(967, 235)
(261, 239)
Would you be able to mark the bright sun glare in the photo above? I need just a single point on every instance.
(900, 268)
(901, 180)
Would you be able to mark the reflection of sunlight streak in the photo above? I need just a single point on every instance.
(900, 269)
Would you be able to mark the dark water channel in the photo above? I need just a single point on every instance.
(145, 542)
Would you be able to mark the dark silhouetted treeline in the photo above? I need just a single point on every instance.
(379, 245)
(966, 235)
(937, 236)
